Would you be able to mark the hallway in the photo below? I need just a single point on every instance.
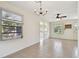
(51, 48)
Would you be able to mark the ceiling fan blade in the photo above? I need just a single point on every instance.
(63, 16)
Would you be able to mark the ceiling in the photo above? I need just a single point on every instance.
(67, 8)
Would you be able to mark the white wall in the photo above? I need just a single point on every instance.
(78, 24)
(30, 31)
(68, 33)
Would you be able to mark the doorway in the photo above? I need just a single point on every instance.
(44, 30)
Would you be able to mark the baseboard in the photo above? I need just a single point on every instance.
(61, 38)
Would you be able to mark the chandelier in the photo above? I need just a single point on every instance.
(40, 11)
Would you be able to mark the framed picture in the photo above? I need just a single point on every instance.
(68, 26)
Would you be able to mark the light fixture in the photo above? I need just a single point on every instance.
(58, 17)
(40, 11)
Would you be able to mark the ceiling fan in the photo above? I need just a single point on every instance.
(60, 17)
